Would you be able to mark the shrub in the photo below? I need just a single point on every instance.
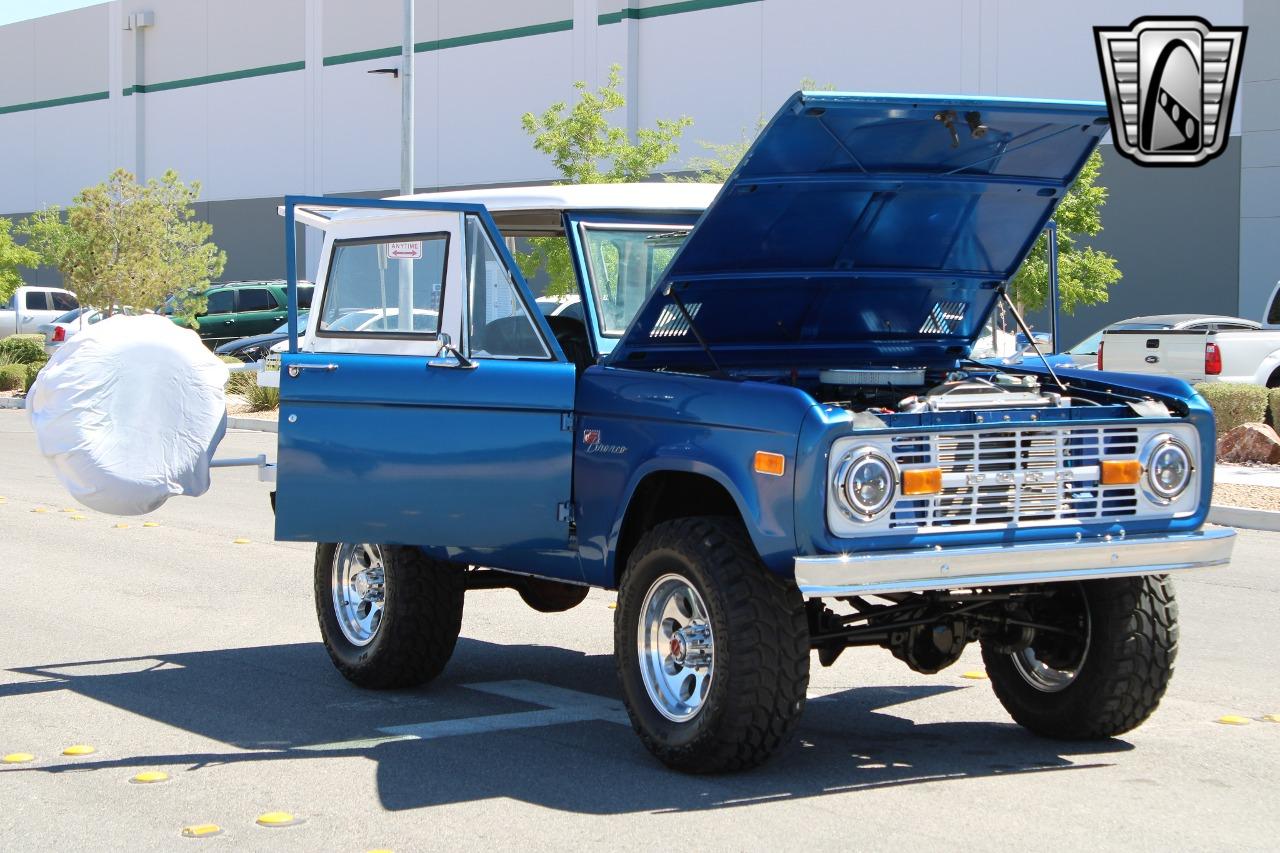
(238, 383)
(1275, 407)
(13, 377)
(262, 399)
(1234, 403)
(22, 349)
(33, 370)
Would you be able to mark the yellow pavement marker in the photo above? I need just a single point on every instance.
(122, 526)
(80, 749)
(201, 830)
(1233, 720)
(39, 509)
(239, 541)
(147, 777)
(76, 517)
(150, 524)
(975, 674)
(613, 605)
(68, 509)
(18, 758)
(1271, 718)
(274, 819)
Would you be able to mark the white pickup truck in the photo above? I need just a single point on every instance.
(32, 307)
(1194, 347)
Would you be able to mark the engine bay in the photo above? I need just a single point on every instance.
(917, 390)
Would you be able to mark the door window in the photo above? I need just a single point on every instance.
(256, 299)
(37, 300)
(305, 292)
(1273, 314)
(64, 302)
(385, 287)
(221, 302)
(501, 326)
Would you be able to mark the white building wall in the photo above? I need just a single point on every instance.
(260, 98)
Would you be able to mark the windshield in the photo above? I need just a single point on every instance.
(71, 315)
(625, 265)
(1089, 346)
(302, 325)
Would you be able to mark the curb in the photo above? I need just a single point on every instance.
(1249, 519)
(13, 402)
(256, 424)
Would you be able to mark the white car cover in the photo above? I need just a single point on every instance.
(130, 412)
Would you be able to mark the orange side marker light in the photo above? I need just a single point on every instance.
(773, 464)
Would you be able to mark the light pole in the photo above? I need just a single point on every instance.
(406, 102)
(405, 311)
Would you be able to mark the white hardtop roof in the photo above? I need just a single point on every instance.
(650, 196)
(548, 200)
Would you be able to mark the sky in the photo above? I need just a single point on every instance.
(21, 10)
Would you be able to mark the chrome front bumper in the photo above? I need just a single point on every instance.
(1003, 565)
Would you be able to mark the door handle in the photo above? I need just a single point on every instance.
(296, 369)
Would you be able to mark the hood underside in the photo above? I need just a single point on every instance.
(866, 228)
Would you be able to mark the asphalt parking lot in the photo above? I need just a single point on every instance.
(175, 649)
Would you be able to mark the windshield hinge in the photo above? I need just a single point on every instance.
(566, 421)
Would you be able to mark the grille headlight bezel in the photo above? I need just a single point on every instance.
(859, 462)
(1158, 452)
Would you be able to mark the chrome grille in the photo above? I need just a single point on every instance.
(999, 477)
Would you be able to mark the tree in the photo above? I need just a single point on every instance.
(125, 243)
(586, 149)
(12, 256)
(1084, 273)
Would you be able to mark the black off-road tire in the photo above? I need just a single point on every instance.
(761, 664)
(1134, 640)
(419, 627)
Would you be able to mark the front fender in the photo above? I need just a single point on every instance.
(763, 503)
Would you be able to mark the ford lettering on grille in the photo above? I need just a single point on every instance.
(1000, 477)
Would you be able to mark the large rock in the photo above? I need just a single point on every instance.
(1250, 443)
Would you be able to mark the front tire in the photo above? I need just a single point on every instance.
(389, 616)
(712, 649)
(1109, 679)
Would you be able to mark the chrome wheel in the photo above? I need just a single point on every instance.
(359, 591)
(1063, 669)
(676, 647)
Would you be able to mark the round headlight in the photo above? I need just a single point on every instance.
(867, 482)
(1169, 468)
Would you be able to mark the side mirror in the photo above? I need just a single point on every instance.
(458, 360)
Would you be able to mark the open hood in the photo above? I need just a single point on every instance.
(866, 229)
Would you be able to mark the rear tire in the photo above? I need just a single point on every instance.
(1118, 679)
(712, 649)
(412, 637)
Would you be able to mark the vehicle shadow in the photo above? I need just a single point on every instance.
(286, 703)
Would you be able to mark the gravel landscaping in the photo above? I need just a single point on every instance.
(1249, 497)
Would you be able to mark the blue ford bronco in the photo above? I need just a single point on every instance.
(758, 418)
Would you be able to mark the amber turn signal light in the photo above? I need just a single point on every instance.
(922, 481)
(1121, 472)
(770, 463)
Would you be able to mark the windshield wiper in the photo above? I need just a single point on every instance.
(693, 327)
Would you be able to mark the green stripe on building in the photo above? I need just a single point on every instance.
(454, 41)
(262, 71)
(54, 102)
(668, 9)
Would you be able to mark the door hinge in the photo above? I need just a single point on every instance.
(566, 421)
(564, 512)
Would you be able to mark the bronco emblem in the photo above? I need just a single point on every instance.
(1170, 85)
